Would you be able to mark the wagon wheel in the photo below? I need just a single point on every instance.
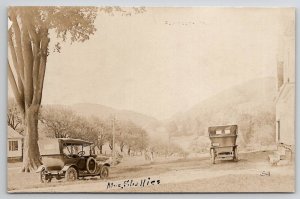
(235, 154)
(212, 156)
(45, 178)
(104, 172)
(71, 174)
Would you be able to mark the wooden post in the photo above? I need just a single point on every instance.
(113, 139)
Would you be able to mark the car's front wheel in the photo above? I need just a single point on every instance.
(71, 174)
(104, 172)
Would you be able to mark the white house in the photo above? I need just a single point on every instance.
(285, 100)
(14, 145)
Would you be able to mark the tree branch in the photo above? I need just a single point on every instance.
(17, 66)
(36, 57)
(42, 67)
(28, 62)
(13, 55)
(18, 46)
(15, 89)
(36, 42)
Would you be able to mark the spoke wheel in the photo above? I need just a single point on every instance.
(44, 177)
(235, 155)
(71, 174)
(104, 172)
(212, 156)
(91, 165)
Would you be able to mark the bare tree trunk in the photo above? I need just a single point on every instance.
(100, 148)
(31, 156)
(128, 152)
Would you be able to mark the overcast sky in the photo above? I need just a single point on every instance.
(165, 60)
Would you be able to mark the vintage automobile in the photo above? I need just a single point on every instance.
(70, 159)
(223, 143)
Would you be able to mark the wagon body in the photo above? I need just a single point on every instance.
(223, 142)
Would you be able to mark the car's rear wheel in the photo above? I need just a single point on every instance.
(71, 174)
(104, 172)
(235, 154)
(212, 156)
(44, 177)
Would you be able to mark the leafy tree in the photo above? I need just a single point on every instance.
(142, 140)
(159, 146)
(14, 119)
(130, 136)
(58, 121)
(124, 134)
(28, 41)
(102, 132)
(127, 134)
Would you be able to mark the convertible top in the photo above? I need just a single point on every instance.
(71, 141)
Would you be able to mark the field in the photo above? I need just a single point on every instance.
(174, 175)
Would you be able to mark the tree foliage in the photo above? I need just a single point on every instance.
(61, 122)
(29, 40)
(58, 121)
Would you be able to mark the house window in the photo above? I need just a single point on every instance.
(13, 145)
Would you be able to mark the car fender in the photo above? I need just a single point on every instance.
(65, 168)
(101, 164)
(106, 164)
(40, 168)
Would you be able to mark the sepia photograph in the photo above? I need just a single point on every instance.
(150, 99)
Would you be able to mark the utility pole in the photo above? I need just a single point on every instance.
(113, 140)
(100, 137)
(169, 141)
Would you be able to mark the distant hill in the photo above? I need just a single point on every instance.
(149, 123)
(250, 105)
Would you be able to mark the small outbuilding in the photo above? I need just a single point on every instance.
(14, 145)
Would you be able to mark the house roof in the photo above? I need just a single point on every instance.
(12, 133)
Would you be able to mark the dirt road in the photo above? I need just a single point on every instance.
(196, 175)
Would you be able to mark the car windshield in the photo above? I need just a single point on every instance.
(74, 149)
